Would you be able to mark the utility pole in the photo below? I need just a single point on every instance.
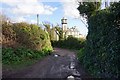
(38, 19)
(106, 3)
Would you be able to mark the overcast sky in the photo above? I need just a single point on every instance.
(51, 11)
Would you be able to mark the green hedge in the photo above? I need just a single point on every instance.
(30, 43)
(70, 43)
(101, 54)
(27, 35)
(21, 55)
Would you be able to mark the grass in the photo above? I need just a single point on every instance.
(21, 57)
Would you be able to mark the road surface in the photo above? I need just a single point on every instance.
(61, 64)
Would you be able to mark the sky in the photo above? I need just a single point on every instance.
(51, 11)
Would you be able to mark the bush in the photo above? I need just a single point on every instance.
(101, 54)
(80, 54)
(19, 55)
(26, 35)
(70, 43)
(31, 42)
(31, 36)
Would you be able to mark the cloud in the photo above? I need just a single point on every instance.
(33, 22)
(23, 19)
(49, 9)
(28, 7)
(70, 8)
(22, 8)
(19, 19)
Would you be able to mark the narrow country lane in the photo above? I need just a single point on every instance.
(61, 64)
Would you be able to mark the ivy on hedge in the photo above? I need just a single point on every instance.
(101, 54)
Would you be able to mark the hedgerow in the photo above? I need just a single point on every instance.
(70, 43)
(20, 55)
(101, 53)
(23, 41)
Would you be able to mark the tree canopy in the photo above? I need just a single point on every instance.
(86, 9)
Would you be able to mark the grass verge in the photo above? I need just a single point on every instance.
(21, 57)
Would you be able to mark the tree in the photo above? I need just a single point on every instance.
(7, 29)
(47, 26)
(22, 31)
(3, 18)
(59, 31)
(52, 33)
(31, 36)
(49, 30)
(86, 9)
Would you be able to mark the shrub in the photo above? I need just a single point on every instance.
(32, 43)
(19, 55)
(101, 54)
(80, 54)
(70, 42)
(26, 35)
(33, 37)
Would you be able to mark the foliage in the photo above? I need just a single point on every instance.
(52, 30)
(3, 18)
(59, 31)
(31, 43)
(19, 55)
(80, 54)
(8, 32)
(88, 8)
(101, 54)
(52, 34)
(70, 42)
(27, 35)
(47, 27)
